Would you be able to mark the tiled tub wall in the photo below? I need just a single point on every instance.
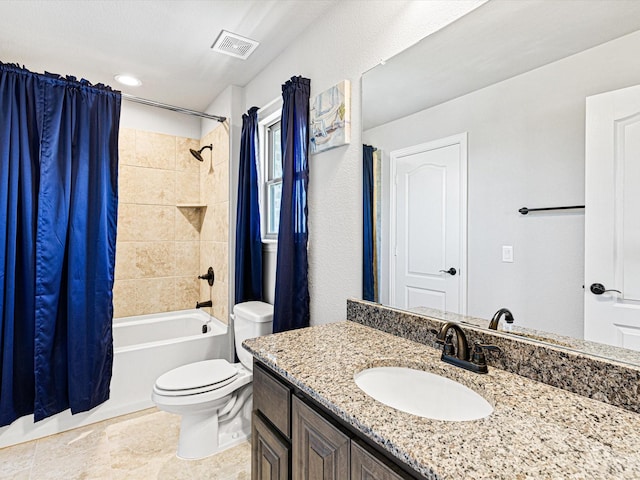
(592, 377)
(161, 249)
(214, 235)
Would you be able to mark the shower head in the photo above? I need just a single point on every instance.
(198, 153)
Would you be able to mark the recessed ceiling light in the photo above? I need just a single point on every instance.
(128, 80)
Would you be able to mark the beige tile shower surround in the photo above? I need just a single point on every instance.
(214, 235)
(161, 249)
(140, 446)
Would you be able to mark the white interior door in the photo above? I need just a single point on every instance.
(428, 225)
(612, 218)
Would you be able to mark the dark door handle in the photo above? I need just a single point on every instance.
(451, 271)
(599, 289)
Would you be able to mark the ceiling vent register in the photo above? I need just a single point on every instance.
(234, 45)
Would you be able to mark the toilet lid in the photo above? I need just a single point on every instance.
(197, 375)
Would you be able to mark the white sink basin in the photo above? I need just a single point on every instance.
(423, 394)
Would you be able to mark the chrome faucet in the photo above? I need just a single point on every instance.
(508, 317)
(460, 355)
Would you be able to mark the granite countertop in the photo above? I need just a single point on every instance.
(536, 431)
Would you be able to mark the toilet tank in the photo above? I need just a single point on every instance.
(251, 319)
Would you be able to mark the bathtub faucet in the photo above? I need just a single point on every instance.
(204, 304)
(209, 276)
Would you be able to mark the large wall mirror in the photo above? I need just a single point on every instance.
(485, 117)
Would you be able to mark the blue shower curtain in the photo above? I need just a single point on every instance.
(248, 284)
(291, 306)
(368, 257)
(58, 210)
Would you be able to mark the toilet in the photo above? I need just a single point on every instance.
(214, 397)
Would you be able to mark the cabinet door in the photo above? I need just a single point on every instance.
(364, 466)
(269, 454)
(320, 451)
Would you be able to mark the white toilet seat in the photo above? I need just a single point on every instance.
(202, 395)
(196, 378)
(192, 391)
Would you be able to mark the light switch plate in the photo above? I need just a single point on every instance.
(507, 253)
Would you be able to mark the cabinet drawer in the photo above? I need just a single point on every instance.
(272, 399)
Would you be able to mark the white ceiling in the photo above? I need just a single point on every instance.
(496, 41)
(164, 43)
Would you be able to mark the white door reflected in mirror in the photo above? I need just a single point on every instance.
(428, 223)
(612, 223)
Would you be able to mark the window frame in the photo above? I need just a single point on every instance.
(266, 162)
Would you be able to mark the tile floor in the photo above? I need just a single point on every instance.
(138, 446)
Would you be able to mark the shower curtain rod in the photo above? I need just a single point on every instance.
(173, 108)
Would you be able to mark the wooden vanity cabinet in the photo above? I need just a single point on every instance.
(293, 440)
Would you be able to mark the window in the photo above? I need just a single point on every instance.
(270, 161)
(273, 179)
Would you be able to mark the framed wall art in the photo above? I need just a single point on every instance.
(330, 118)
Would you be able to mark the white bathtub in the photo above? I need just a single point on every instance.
(144, 347)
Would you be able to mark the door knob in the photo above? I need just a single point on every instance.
(599, 289)
(451, 271)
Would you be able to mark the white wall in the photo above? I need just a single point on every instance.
(348, 40)
(154, 119)
(526, 148)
